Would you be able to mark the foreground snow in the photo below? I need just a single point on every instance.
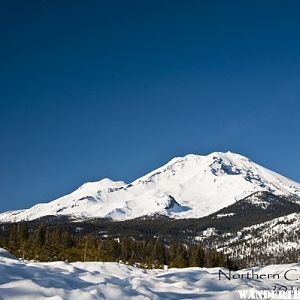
(94, 280)
(186, 187)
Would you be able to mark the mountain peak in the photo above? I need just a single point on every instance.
(185, 187)
(195, 157)
(104, 183)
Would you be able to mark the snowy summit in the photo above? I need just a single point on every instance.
(186, 187)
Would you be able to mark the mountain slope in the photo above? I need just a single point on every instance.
(268, 242)
(186, 187)
(256, 208)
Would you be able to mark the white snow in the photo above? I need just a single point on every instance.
(225, 215)
(209, 232)
(268, 238)
(200, 185)
(96, 280)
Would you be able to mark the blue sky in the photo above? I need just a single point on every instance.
(93, 89)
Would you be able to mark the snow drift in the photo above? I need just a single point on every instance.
(96, 280)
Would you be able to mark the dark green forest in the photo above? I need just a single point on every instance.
(51, 243)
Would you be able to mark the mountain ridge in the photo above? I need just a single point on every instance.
(195, 185)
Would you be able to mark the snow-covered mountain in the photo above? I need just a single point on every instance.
(186, 187)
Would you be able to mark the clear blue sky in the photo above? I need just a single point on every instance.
(93, 89)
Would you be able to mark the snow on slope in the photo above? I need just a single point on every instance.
(96, 280)
(270, 238)
(189, 186)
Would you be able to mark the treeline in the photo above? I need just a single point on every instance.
(48, 243)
